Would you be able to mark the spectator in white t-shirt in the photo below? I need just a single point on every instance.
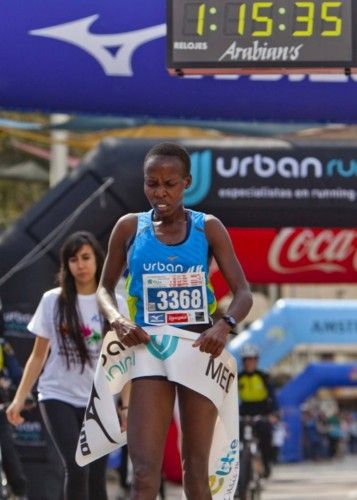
(68, 328)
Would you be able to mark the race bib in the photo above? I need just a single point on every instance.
(177, 299)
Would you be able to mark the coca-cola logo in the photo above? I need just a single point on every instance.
(301, 250)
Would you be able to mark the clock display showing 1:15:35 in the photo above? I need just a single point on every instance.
(302, 19)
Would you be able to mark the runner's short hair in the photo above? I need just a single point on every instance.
(170, 149)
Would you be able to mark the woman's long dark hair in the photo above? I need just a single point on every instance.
(68, 319)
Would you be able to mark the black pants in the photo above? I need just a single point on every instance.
(10, 458)
(264, 433)
(63, 422)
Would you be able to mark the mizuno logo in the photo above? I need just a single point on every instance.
(114, 52)
(157, 318)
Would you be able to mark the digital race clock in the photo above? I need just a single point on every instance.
(245, 36)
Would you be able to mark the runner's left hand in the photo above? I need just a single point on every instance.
(213, 340)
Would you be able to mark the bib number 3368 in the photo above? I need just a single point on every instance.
(179, 299)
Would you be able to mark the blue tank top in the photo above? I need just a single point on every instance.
(149, 256)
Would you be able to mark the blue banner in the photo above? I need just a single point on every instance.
(110, 57)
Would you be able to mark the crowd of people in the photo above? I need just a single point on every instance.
(329, 435)
(10, 375)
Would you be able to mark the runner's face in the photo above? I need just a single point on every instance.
(164, 184)
(83, 266)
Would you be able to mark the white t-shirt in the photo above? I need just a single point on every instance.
(57, 381)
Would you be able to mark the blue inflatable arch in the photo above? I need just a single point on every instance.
(299, 321)
(295, 392)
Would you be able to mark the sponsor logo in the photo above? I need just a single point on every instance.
(200, 316)
(177, 317)
(221, 374)
(195, 269)
(156, 318)
(265, 166)
(328, 251)
(83, 443)
(261, 52)
(120, 367)
(323, 327)
(201, 171)
(114, 348)
(114, 51)
(161, 266)
(229, 468)
(170, 268)
(92, 413)
(287, 167)
(162, 347)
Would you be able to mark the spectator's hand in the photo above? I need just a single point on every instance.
(13, 413)
(129, 333)
(5, 383)
(213, 340)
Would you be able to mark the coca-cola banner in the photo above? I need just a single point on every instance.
(294, 255)
(265, 186)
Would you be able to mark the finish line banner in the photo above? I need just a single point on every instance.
(171, 349)
(119, 50)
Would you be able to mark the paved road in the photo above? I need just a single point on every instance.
(335, 480)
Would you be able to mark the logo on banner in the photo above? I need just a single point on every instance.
(92, 414)
(229, 465)
(113, 51)
(287, 167)
(201, 171)
(305, 250)
(157, 318)
(177, 317)
(162, 347)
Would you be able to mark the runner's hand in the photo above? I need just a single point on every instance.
(129, 333)
(213, 340)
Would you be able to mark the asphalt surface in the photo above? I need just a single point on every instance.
(329, 480)
(332, 480)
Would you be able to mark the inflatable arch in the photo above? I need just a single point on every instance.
(295, 392)
(299, 321)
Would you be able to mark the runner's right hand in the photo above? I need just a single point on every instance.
(129, 333)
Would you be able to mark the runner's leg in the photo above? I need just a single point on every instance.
(198, 418)
(150, 413)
